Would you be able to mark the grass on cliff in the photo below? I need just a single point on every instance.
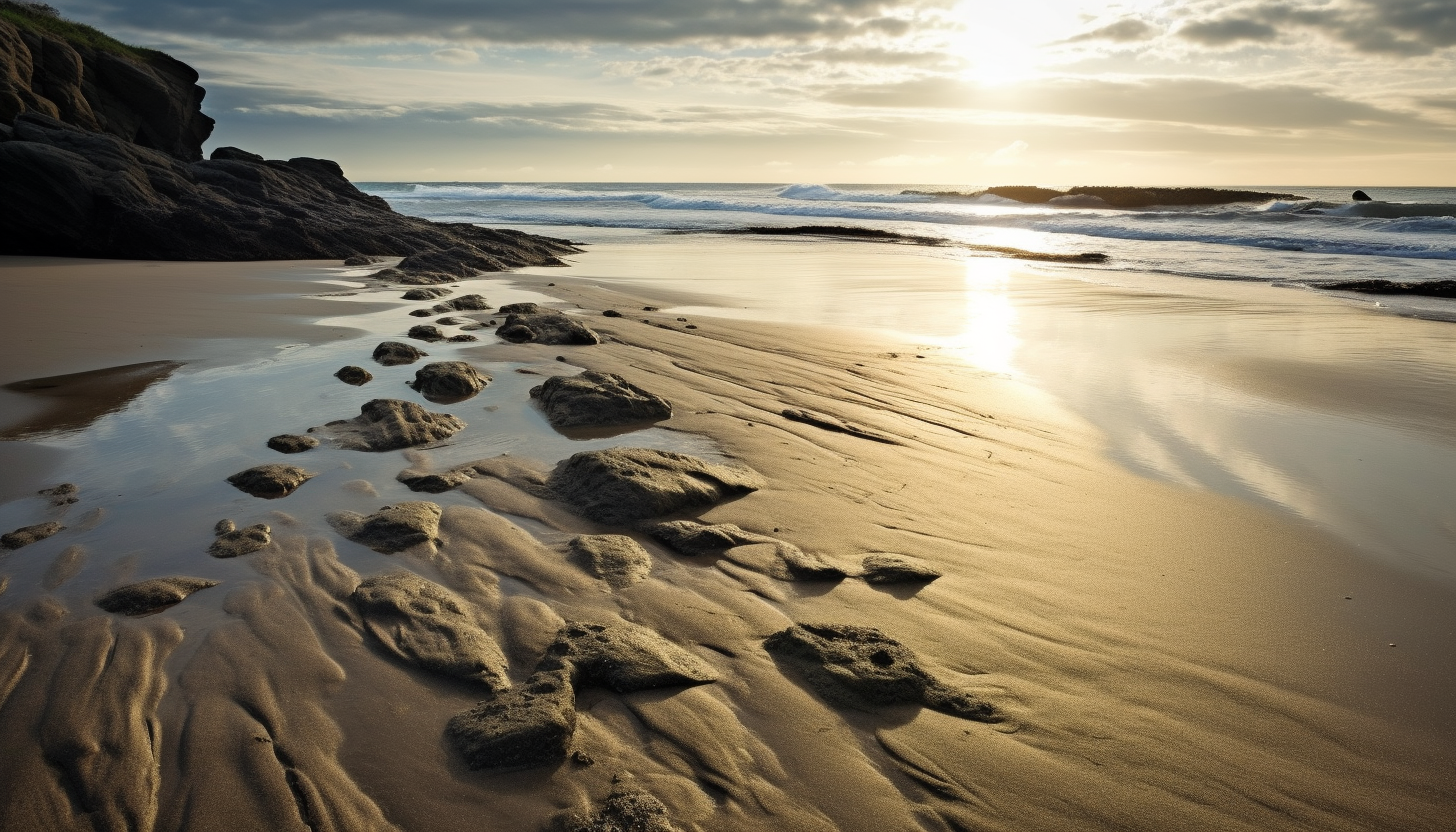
(36, 18)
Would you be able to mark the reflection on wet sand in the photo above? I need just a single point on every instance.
(73, 401)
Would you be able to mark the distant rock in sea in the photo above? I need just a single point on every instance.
(1361, 196)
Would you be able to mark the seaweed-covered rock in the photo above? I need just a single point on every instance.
(151, 596)
(271, 481)
(449, 381)
(394, 353)
(622, 485)
(626, 810)
(615, 558)
(392, 528)
(769, 555)
(390, 424)
(598, 400)
(426, 293)
(357, 376)
(861, 666)
(529, 725)
(233, 542)
(427, 625)
(546, 328)
(434, 483)
(29, 534)
(624, 657)
(888, 568)
(290, 443)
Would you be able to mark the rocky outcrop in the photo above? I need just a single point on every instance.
(1381, 286)
(151, 596)
(392, 528)
(546, 328)
(598, 400)
(529, 725)
(464, 303)
(430, 293)
(292, 443)
(232, 542)
(449, 381)
(395, 353)
(434, 483)
(29, 535)
(388, 425)
(427, 625)
(270, 481)
(624, 657)
(623, 485)
(615, 558)
(625, 810)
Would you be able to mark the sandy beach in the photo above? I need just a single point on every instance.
(1158, 652)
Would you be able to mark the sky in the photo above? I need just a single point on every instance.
(1051, 92)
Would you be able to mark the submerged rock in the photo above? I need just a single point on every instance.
(545, 328)
(526, 726)
(449, 381)
(626, 810)
(623, 485)
(271, 481)
(357, 376)
(62, 495)
(615, 558)
(151, 596)
(29, 534)
(426, 332)
(890, 568)
(427, 625)
(233, 542)
(426, 293)
(773, 557)
(394, 353)
(390, 424)
(289, 443)
(861, 666)
(598, 400)
(624, 657)
(392, 528)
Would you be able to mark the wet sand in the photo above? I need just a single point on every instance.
(1162, 657)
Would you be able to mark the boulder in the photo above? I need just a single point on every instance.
(526, 726)
(626, 810)
(390, 424)
(464, 303)
(449, 320)
(769, 555)
(433, 483)
(151, 596)
(427, 625)
(271, 481)
(233, 542)
(887, 568)
(426, 332)
(392, 528)
(623, 485)
(426, 294)
(615, 558)
(421, 313)
(598, 400)
(29, 534)
(394, 353)
(357, 376)
(458, 339)
(546, 328)
(1361, 196)
(624, 657)
(289, 443)
(862, 667)
(524, 309)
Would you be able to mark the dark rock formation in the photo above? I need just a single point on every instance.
(151, 596)
(290, 443)
(624, 657)
(449, 320)
(357, 376)
(427, 625)
(530, 725)
(29, 534)
(270, 481)
(457, 339)
(1377, 286)
(425, 294)
(233, 542)
(546, 328)
(394, 353)
(611, 313)
(524, 309)
(598, 400)
(890, 568)
(62, 495)
(421, 313)
(356, 260)
(388, 425)
(861, 666)
(1361, 196)
(836, 425)
(449, 381)
(464, 303)
(623, 485)
(392, 528)
(426, 332)
(433, 483)
(769, 555)
(626, 810)
(615, 558)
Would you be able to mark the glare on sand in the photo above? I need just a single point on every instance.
(988, 330)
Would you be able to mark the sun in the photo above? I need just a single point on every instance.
(1004, 43)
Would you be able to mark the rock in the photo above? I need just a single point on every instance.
(545, 328)
(524, 309)
(615, 558)
(270, 481)
(1381, 286)
(426, 332)
(358, 259)
(464, 303)
(62, 495)
(622, 485)
(433, 483)
(416, 278)
(471, 327)
(784, 560)
(289, 443)
(457, 261)
(29, 534)
(527, 726)
(1361, 196)
(427, 625)
(394, 353)
(626, 810)
(425, 294)
(598, 400)
(357, 376)
(224, 526)
(458, 339)
(897, 569)
(390, 424)
(453, 321)
(624, 657)
(151, 596)
(611, 313)
(232, 542)
(392, 528)
(421, 313)
(861, 666)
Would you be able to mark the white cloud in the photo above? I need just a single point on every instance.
(1009, 155)
(456, 56)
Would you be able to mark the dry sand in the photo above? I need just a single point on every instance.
(1163, 658)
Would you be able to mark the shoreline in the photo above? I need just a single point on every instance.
(1141, 697)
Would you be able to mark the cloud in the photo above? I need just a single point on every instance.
(906, 160)
(1382, 27)
(456, 56)
(1009, 155)
(1227, 31)
(1127, 30)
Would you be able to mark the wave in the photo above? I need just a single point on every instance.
(1364, 210)
(824, 193)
